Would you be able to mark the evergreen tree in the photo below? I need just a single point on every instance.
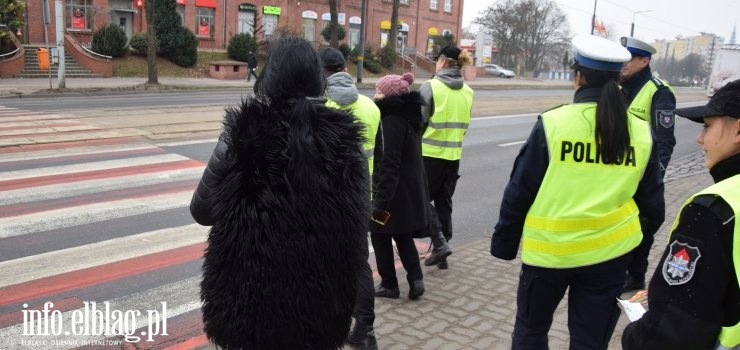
(168, 26)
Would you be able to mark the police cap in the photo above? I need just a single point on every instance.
(724, 102)
(598, 53)
(637, 47)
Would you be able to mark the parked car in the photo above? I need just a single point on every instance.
(498, 71)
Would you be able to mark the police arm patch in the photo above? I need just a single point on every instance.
(666, 118)
(680, 263)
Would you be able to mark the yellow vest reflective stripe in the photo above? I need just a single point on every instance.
(729, 190)
(642, 102)
(367, 113)
(584, 212)
(446, 129)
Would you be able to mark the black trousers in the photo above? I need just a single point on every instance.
(442, 178)
(250, 73)
(384, 257)
(365, 304)
(592, 305)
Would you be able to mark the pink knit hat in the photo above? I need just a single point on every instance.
(392, 85)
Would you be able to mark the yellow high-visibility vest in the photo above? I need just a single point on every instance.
(729, 190)
(584, 213)
(444, 134)
(642, 102)
(367, 113)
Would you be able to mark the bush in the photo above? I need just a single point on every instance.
(139, 43)
(168, 26)
(344, 49)
(387, 56)
(110, 40)
(240, 45)
(185, 55)
(326, 32)
(370, 62)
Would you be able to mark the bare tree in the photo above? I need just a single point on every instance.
(526, 30)
(151, 49)
(334, 24)
(393, 34)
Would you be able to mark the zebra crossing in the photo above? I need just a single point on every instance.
(96, 238)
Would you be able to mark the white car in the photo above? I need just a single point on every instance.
(498, 71)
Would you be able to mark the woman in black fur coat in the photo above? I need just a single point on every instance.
(286, 191)
(401, 199)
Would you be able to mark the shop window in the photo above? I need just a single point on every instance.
(309, 29)
(78, 14)
(204, 20)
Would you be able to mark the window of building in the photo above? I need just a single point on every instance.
(405, 2)
(433, 4)
(204, 20)
(78, 14)
(309, 29)
(448, 5)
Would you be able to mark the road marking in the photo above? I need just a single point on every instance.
(512, 143)
(185, 143)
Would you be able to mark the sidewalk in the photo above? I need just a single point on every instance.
(473, 304)
(17, 87)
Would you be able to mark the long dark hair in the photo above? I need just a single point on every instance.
(292, 69)
(612, 129)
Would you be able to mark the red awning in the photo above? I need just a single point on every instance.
(182, 2)
(205, 3)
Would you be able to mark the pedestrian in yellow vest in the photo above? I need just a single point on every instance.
(341, 93)
(694, 299)
(446, 113)
(651, 99)
(578, 184)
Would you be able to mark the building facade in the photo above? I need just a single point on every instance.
(214, 22)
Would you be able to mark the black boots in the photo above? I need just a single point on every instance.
(440, 251)
(363, 338)
(383, 292)
(416, 289)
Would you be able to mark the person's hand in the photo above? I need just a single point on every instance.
(640, 297)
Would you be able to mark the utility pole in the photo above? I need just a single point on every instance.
(59, 9)
(593, 19)
(361, 54)
(632, 31)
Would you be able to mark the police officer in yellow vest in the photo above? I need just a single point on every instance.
(342, 93)
(651, 99)
(694, 299)
(586, 172)
(447, 116)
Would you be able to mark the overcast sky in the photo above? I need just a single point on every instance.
(666, 19)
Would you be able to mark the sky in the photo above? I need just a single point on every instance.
(666, 19)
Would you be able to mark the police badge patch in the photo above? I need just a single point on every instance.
(680, 264)
(665, 118)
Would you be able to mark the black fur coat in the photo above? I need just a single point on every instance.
(288, 198)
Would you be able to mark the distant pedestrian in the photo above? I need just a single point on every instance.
(251, 65)
(400, 197)
(287, 193)
(586, 171)
(651, 99)
(694, 298)
(446, 111)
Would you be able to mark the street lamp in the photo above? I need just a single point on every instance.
(632, 31)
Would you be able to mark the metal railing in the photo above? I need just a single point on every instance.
(73, 37)
(9, 55)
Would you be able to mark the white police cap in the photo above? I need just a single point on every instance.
(600, 54)
(637, 47)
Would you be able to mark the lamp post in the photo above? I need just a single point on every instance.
(593, 18)
(632, 31)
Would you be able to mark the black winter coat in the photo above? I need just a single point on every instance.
(399, 181)
(287, 195)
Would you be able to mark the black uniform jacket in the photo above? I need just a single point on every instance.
(691, 315)
(287, 193)
(400, 185)
(662, 120)
(529, 171)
